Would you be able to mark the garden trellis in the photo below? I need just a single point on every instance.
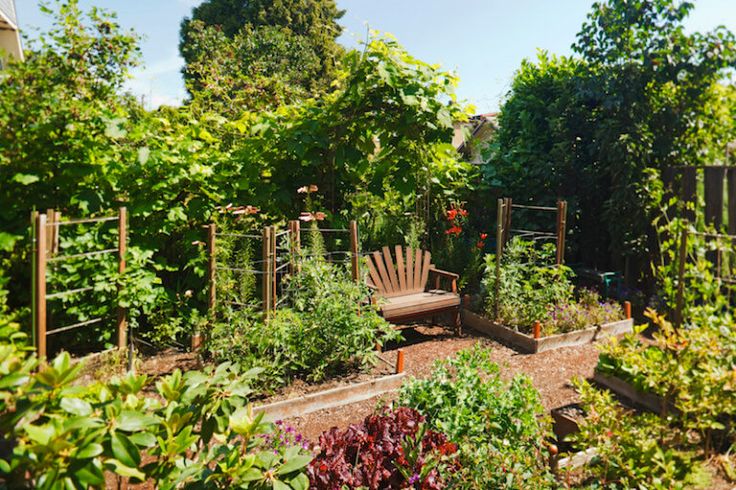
(46, 231)
(504, 232)
(281, 252)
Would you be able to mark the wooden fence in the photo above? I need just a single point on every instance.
(45, 233)
(716, 185)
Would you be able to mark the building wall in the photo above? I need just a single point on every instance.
(9, 35)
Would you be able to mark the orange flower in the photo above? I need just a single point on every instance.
(480, 244)
(463, 212)
(455, 230)
(451, 214)
(318, 216)
(307, 189)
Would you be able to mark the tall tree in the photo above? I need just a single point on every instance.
(291, 44)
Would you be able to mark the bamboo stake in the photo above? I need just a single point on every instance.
(266, 285)
(40, 283)
(212, 270)
(499, 252)
(354, 254)
(274, 264)
(122, 245)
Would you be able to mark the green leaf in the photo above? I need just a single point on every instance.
(7, 241)
(123, 470)
(130, 421)
(279, 485)
(76, 406)
(25, 179)
(295, 463)
(89, 451)
(124, 450)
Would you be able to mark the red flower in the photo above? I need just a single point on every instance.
(455, 230)
(481, 244)
(463, 212)
(451, 214)
(483, 236)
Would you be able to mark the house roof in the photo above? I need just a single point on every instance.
(8, 15)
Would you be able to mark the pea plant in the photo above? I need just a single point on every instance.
(531, 287)
(499, 426)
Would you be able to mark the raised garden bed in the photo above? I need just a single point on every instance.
(628, 392)
(529, 344)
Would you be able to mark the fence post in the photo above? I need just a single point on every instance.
(122, 245)
(508, 207)
(681, 277)
(354, 253)
(39, 305)
(499, 252)
(561, 229)
(212, 270)
(266, 289)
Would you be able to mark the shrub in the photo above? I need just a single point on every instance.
(197, 430)
(634, 450)
(500, 427)
(392, 449)
(328, 329)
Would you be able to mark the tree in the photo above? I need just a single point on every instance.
(262, 32)
(642, 95)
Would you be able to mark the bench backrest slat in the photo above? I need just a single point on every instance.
(408, 275)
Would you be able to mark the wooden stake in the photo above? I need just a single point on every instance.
(122, 245)
(274, 265)
(627, 309)
(212, 270)
(34, 261)
(537, 329)
(354, 254)
(561, 230)
(499, 253)
(681, 277)
(39, 313)
(400, 361)
(508, 207)
(266, 285)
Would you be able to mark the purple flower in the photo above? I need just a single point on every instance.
(414, 478)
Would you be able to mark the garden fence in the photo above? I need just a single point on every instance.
(281, 254)
(715, 185)
(46, 228)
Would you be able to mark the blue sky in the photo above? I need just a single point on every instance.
(483, 40)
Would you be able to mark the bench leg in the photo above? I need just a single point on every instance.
(458, 322)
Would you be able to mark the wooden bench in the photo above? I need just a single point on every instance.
(403, 285)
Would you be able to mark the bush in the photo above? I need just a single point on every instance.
(392, 449)
(500, 427)
(328, 329)
(634, 450)
(196, 432)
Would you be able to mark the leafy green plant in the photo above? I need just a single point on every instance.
(532, 288)
(634, 450)
(197, 432)
(499, 426)
(328, 328)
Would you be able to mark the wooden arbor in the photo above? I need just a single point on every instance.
(403, 285)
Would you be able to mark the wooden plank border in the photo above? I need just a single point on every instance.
(529, 344)
(649, 401)
(334, 397)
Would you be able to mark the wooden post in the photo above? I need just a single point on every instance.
(266, 287)
(34, 236)
(537, 329)
(122, 244)
(298, 244)
(679, 305)
(561, 230)
(508, 207)
(354, 253)
(400, 361)
(274, 265)
(499, 253)
(39, 310)
(212, 270)
(627, 309)
(50, 228)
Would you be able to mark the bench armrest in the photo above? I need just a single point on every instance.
(440, 272)
(448, 275)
